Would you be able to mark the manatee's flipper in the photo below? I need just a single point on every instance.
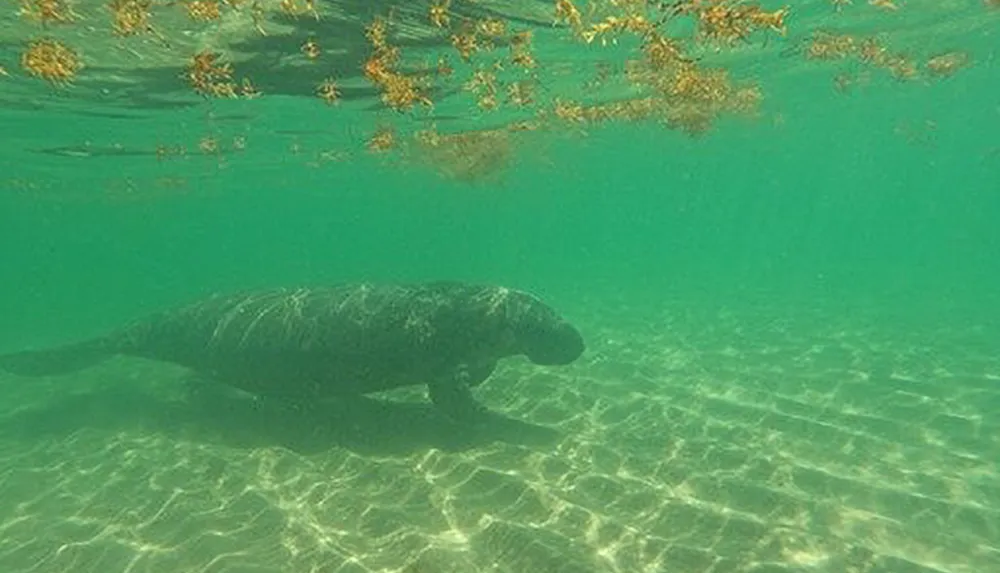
(474, 375)
(453, 395)
(455, 401)
(56, 361)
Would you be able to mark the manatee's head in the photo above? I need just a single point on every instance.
(541, 334)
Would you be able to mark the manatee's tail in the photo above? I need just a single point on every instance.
(56, 361)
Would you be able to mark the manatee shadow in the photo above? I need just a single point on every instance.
(210, 414)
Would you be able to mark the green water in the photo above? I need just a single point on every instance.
(792, 333)
(832, 205)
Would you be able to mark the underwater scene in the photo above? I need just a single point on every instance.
(499, 286)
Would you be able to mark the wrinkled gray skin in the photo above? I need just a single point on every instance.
(313, 343)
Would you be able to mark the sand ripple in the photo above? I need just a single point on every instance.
(683, 443)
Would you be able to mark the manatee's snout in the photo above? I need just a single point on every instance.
(540, 333)
(558, 344)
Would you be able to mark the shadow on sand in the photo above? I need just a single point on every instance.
(214, 414)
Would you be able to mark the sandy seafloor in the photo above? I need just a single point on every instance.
(762, 441)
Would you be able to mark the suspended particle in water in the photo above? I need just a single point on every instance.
(51, 60)
(130, 17)
(901, 67)
(328, 91)
(402, 92)
(871, 51)
(569, 111)
(203, 10)
(162, 152)
(383, 140)
(47, 12)
(466, 44)
(377, 34)
(773, 21)
(292, 8)
(946, 64)
(827, 46)
(311, 49)
(331, 155)
(248, 90)
(208, 145)
(492, 28)
(567, 13)
(521, 93)
(843, 82)
(257, 16)
(438, 14)
(443, 68)
(886, 5)
(635, 23)
(520, 50)
(208, 77)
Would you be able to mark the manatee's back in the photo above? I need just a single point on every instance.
(340, 339)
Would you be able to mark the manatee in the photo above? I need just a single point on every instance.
(309, 344)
